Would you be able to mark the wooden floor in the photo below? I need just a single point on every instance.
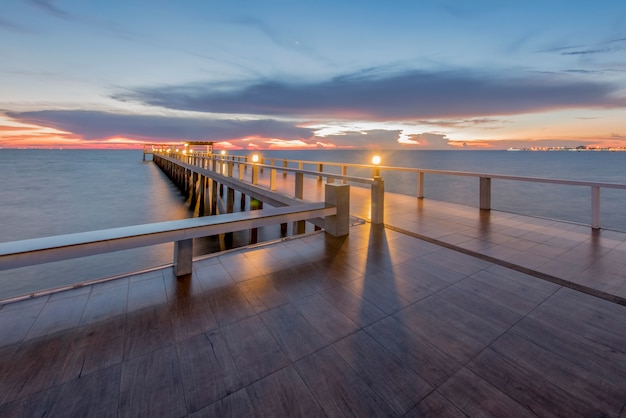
(376, 324)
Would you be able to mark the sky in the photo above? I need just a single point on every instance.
(418, 74)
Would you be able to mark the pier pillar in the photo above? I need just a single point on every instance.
(194, 193)
(378, 201)
(201, 195)
(183, 257)
(214, 198)
(485, 193)
(254, 232)
(338, 195)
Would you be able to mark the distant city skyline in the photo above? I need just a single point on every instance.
(483, 74)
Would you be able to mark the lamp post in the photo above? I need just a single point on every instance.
(376, 162)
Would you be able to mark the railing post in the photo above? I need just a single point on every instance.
(240, 172)
(273, 179)
(420, 184)
(485, 193)
(299, 227)
(338, 195)
(595, 207)
(320, 168)
(378, 201)
(183, 257)
(344, 172)
(255, 173)
(285, 164)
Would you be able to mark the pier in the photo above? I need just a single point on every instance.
(425, 309)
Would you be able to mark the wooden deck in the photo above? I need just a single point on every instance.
(376, 324)
(445, 311)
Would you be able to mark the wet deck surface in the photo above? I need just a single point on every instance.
(380, 323)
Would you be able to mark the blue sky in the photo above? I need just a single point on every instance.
(402, 74)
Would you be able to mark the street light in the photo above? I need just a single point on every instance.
(376, 162)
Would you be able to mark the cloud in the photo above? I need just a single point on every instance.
(49, 7)
(95, 125)
(372, 95)
(10, 26)
(588, 51)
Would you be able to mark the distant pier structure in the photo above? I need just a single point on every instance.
(189, 146)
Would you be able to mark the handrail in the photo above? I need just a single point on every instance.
(64, 247)
(485, 179)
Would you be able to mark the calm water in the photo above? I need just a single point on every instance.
(51, 192)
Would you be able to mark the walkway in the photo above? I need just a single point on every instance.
(379, 323)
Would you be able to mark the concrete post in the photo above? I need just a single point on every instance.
(338, 195)
(378, 201)
(485, 193)
(183, 257)
(595, 207)
(420, 185)
(273, 179)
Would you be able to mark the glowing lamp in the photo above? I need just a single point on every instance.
(376, 170)
(255, 158)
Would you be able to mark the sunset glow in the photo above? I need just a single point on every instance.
(472, 75)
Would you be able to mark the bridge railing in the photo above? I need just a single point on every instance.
(35, 251)
(239, 166)
(484, 179)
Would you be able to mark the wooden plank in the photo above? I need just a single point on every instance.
(146, 293)
(515, 288)
(530, 389)
(487, 309)
(357, 309)
(191, 317)
(562, 373)
(151, 386)
(105, 304)
(283, 394)
(207, 369)
(254, 350)
(508, 300)
(262, 294)
(293, 333)
(94, 347)
(35, 367)
(385, 299)
(596, 358)
(325, 318)
(15, 323)
(573, 317)
(58, 315)
(290, 282)
(398, 385)
(475, 397)
(435, 405)
(415, 352)
(94, 395)
(147, 330)
(230, 305)
(232, 406)
(338, 388)
(454, 341)
(36, 405)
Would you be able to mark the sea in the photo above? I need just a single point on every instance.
(55, 192)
